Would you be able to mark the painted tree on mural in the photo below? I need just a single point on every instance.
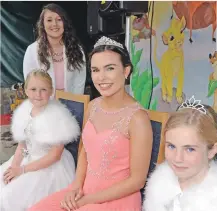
(142, 83)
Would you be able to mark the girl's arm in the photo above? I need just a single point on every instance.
(14, 171)
(140, 154)
(18, 156)
(81, 170)
(52, 157)
(82, 159)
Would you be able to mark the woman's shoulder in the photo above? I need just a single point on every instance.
(138, 113)
(32, 47)
(91, 105)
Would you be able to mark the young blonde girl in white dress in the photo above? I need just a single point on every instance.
(187, 180)
(40, 165)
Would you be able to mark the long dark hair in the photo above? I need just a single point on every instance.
(73, 48)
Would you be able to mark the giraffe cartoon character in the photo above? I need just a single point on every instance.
(171, 65)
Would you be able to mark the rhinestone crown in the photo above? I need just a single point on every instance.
(193, 104)
(107, 41)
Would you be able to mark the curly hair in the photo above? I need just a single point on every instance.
(73, 47)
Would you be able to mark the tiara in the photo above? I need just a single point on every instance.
(107, 41)
(193, 104)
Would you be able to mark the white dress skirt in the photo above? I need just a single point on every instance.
(29, 188)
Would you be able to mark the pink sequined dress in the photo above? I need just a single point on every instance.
(106, 142)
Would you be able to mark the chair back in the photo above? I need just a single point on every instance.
(77, 105)
(158, 122)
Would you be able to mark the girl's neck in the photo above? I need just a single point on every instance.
(115, 102)
(196, 179)
(36, 111)
(55, 42)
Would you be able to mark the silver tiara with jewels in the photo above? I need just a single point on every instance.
(193, 104)
(107, 41)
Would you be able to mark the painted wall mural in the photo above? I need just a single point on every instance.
(173, 49)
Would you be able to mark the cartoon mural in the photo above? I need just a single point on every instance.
(172, 61)
(177, 54)
(141, 28)
(142, 82)
(198, 14)
(212, 90)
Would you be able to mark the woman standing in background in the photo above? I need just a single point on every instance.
(57, 51)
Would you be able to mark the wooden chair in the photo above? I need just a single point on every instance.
(77, 104)
(158, 122)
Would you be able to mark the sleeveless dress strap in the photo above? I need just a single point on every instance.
(94, 108)
(135, 108)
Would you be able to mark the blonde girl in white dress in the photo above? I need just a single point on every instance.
(40, 165)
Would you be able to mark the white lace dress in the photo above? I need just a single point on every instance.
(29, 188)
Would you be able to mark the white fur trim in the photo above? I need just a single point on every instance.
(54, 125)
(19, 121)
(163, 186)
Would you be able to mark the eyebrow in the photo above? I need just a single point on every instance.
(107, 65)
(186, 146)
(52, 17)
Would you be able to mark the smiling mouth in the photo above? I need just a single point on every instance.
(54, 30)
(105, 86)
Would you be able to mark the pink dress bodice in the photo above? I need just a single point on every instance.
(107, 144)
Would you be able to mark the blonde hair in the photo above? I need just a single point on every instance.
(39, 73)
(205, 124)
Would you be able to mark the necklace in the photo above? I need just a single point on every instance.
(57, 57)
(58, 60)
(57, 54)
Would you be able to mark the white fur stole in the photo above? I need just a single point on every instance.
(163, 187)
(55, 125)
